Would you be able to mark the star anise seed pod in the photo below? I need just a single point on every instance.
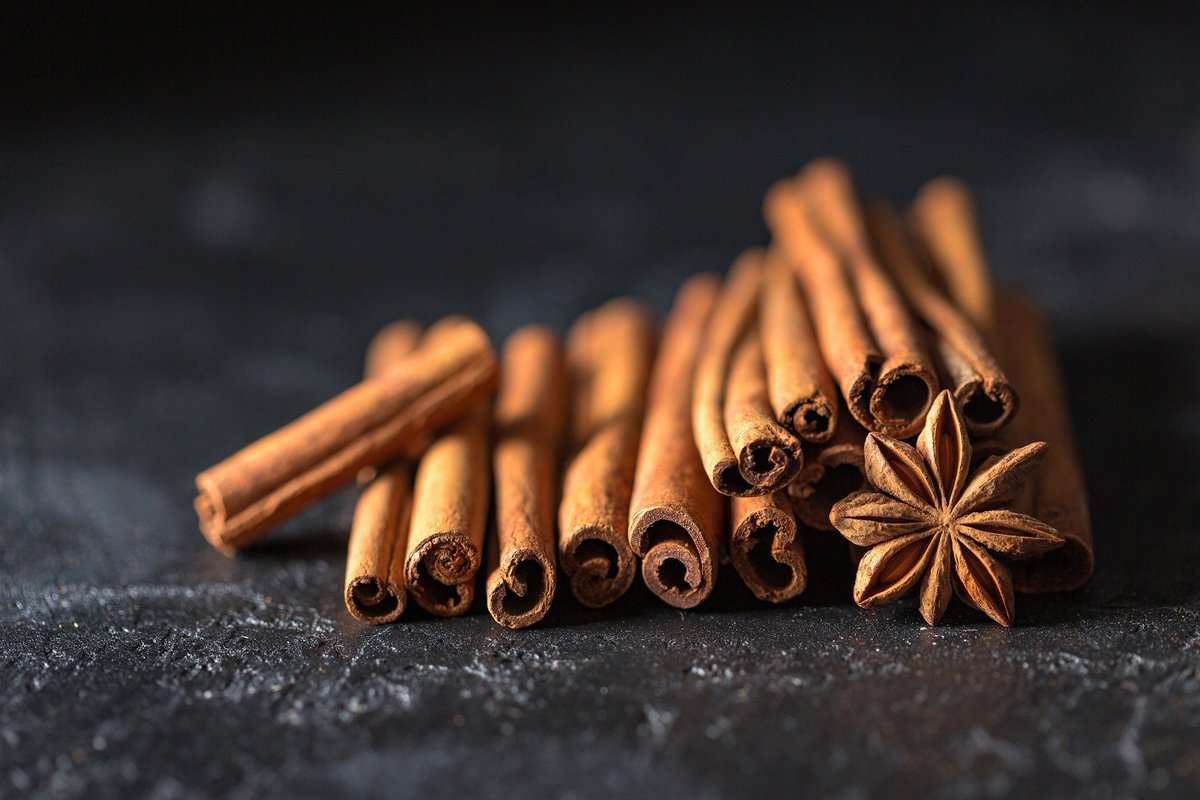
(931, 522)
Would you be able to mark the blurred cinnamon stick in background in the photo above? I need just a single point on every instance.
(247, 494)
(609, 355)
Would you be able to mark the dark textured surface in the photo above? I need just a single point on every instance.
(187, 265)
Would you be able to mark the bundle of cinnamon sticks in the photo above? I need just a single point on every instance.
(860, 375)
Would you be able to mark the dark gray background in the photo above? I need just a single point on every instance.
(202, 221)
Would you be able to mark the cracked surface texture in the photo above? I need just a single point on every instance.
(183, 269)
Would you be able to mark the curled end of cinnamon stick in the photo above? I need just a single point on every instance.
(811, 419)
(599, 563)
(371, 600)
(520, 591)
(441, 574)
(901, 398)
(986, 408)
(211, 514)
(770, 464)
(677, 564)
(765, 550)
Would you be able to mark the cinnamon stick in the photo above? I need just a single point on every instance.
(831, 471)
(374, 585)
(450, 497)
(675, 515)
(765, 548)
(609, 354)
(529, 417)
(247, 494)
(906, 382)
(800, 387)
(869, 340)
(981, 389)
(943, 215)
(1059, 495)
(744, 449)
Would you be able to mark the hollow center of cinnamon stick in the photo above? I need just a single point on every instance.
(768, 570)
(905, 397)
(813, 422)
(372, 598)
(436, 593)
(673, 574)
(598, 550)
(982, 409)
(530, 573)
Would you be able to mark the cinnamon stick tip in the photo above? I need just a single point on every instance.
(766, 553)
(521, 590)
(677, 564)
(599, 563)
(373, 601)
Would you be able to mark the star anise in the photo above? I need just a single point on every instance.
(930, 520)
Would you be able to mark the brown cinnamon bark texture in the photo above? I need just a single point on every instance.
(1059, 496)
(609, 355)
(801, 390)
(981, 389)
(449, 517)
(943, 216)
(765, 547)
(247, 494)
(831, 471)
(675, 515)
(905, 381)
(374, 585)
(529, 417)
(744, 449)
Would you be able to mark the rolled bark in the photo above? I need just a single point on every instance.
(867, 337)
(449, 517)
(765, 547)
(744, 449)
(528, 423)
(906, 382)
(675, 515)
(831, 472)
(244, 496)
(374, 589)
(943, 215)
(802, 391)
(981, 389)
(1059, 494)
(609, 355)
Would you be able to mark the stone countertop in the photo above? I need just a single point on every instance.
(186, 267)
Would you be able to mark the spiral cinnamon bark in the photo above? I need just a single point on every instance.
(765, 547)
(529, 417)
(745, 450)
(675, 514)
(609, 355)
(374, 590)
